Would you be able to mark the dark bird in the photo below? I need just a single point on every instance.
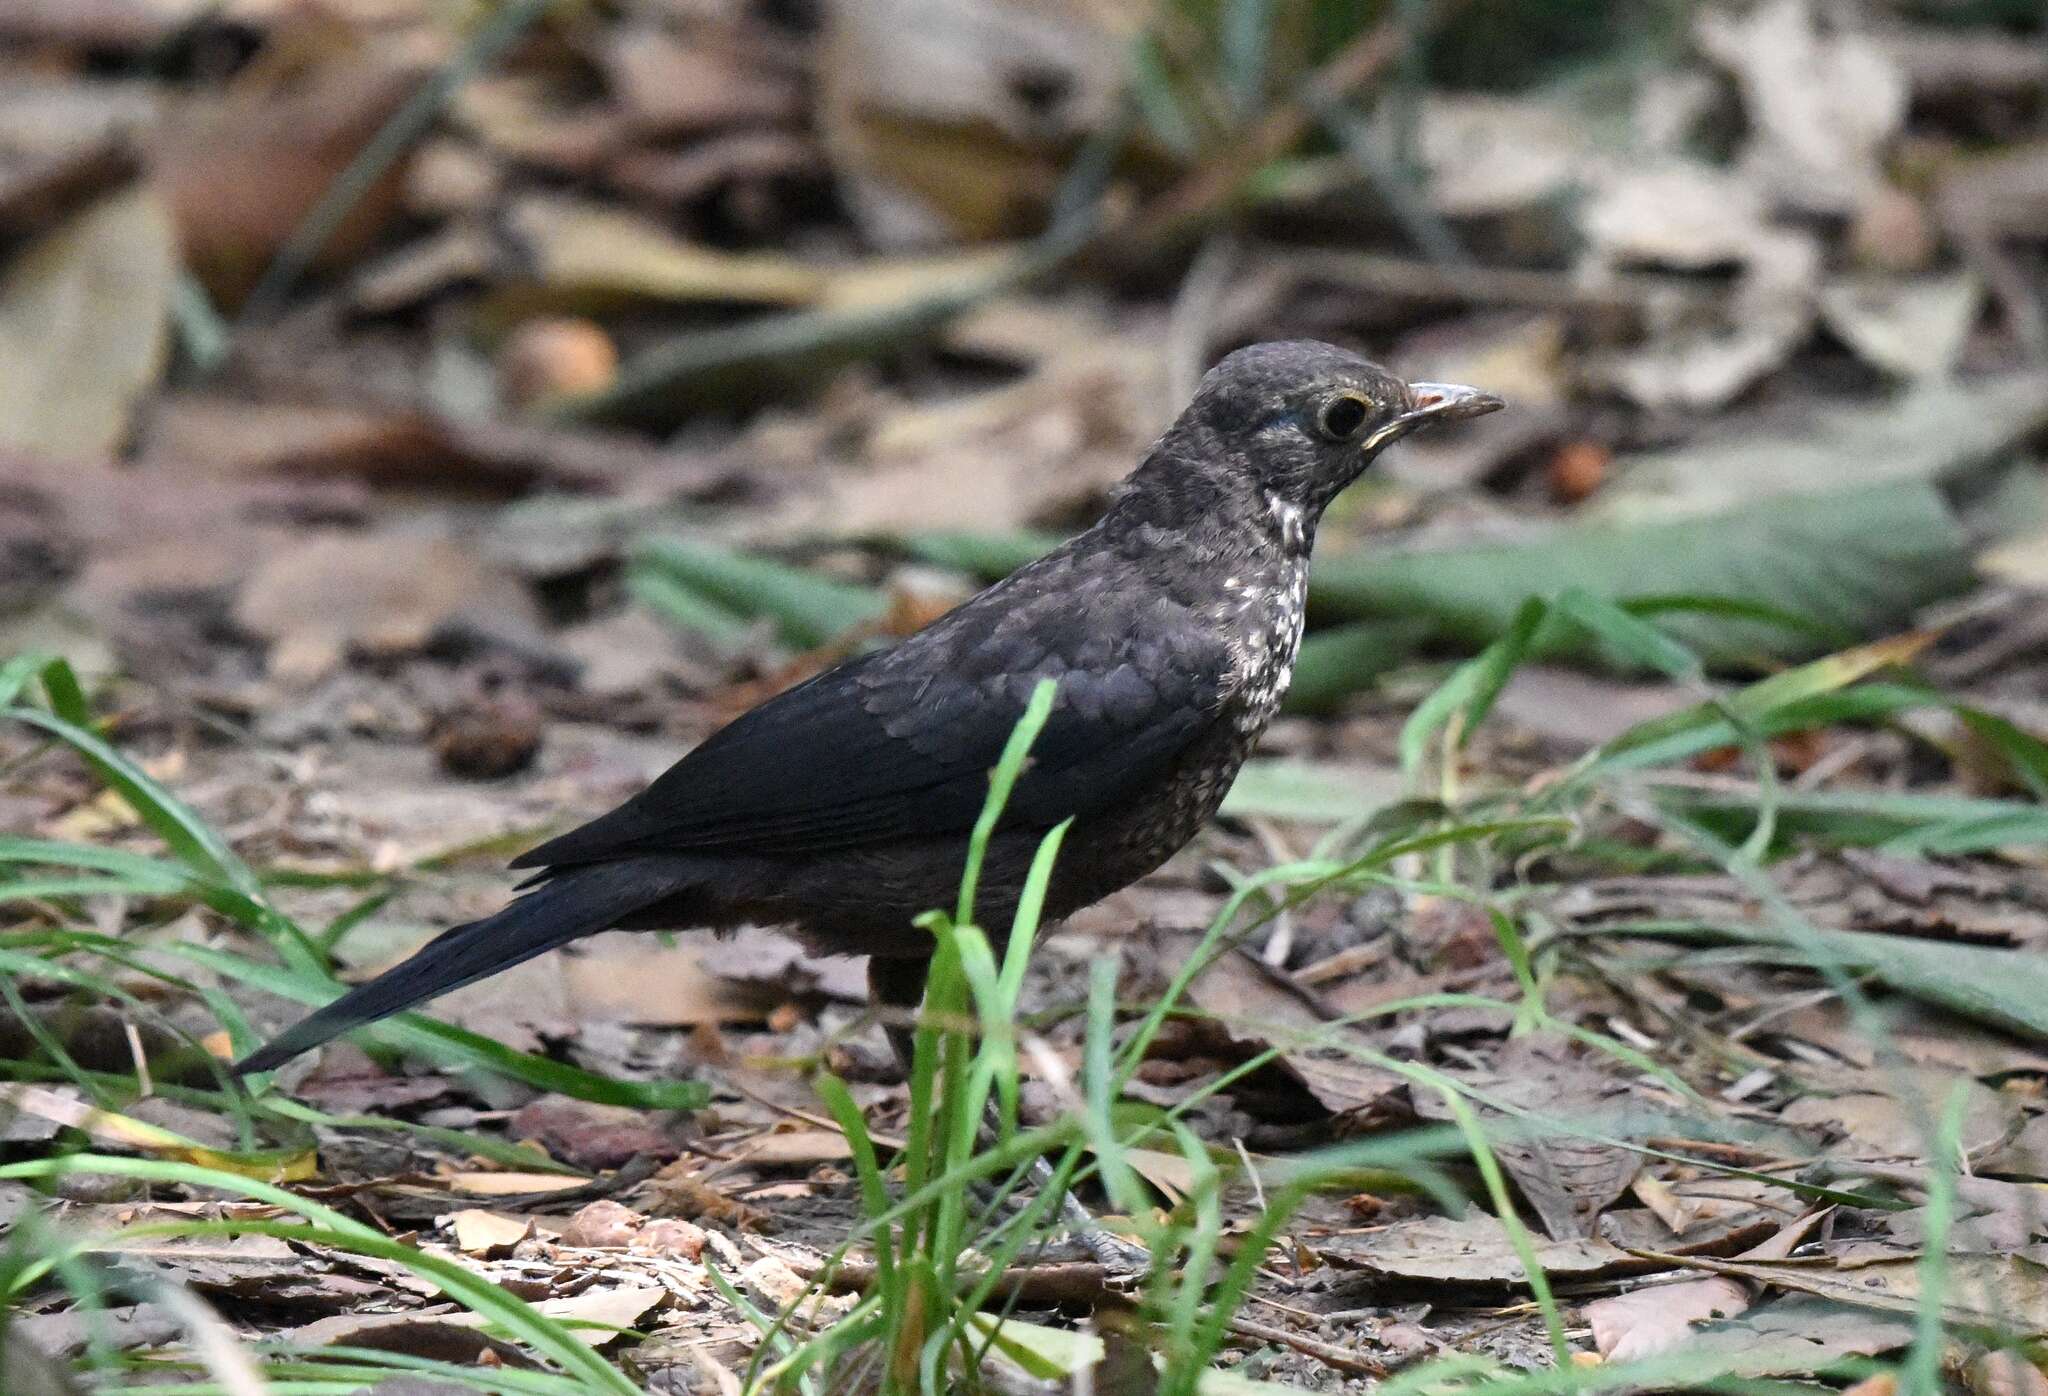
(842, 807)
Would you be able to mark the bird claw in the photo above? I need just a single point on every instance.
(1124, 1262)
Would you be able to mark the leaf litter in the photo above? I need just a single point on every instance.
(1758, 1056)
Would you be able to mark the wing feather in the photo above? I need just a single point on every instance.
(899, 744)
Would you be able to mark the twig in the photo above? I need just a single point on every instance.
(406, 125)
(1425, 227)
(633, 1172)
(887, 1141)
(1067, 1282)
(1205, 190)
(1340, 1359)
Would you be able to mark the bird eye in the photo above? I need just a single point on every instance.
(1342, 417)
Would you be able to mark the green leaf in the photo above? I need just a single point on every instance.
(1867, 818)
(807, 609)
(1312, 793)
(1471, 691)
(1343, 660)
(204, 851)
(659, 591)
(1755, 703)
(2005, 988)
(1856, 560)
(1785, 578)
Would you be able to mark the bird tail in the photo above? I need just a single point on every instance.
(578, 902)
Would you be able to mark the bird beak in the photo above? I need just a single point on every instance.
(1435, 402)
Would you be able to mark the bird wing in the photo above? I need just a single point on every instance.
(899, 744)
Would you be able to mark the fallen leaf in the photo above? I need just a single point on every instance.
(671, 1236)
(653, 985)
(387, 592)
(478, 1232)
(26, 1369)
(242, 171)
(109, 1127)
(1822, 107)
(672, 87)
(603, 1224)
(1658, 1318)
(1258, 1008)
(84, 314)
(1942, 431)
(440, 1337)
(949, 119)
(1473, 1249)
(795, 1147)
(1567, 1179)
(607, 1310)
(2005, 1373)
(1795, 1336)
(588, 1135)
(1892, 1120)
(491, 1183)
(1683, 214)
(1911, 329)
(586, 256)
(775, 965)
(2007, 1293)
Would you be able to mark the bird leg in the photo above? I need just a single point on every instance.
(896, 987)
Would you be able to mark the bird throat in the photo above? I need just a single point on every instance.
(1290, 521)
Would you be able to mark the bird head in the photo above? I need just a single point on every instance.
(1298, 421)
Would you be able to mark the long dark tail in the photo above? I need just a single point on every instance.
(573, 904)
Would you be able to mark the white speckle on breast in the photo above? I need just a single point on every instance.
(1265, 619)
(1293, 522)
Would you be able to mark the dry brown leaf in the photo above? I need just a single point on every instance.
(451, 1337)
(591, 1135)
(2008, 1293)
(655, 985)
(388, 592)
(796, 1147)
(242, 172)
(620, 1307)
(528, 120)
(1891, 1120)
(1657, 1318)
(2004, 1373)
(1257, 1008)
(670, 1236)
(1474, 1249)
(603, 1224)
(1822, 106)
(1567, 1179)
(84, 314)
(1795, 1336)
(488, 1183)
(670, 87)
(480, 1233)
(949, 119)
(584, 255)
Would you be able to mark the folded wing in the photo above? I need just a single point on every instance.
(900, 744)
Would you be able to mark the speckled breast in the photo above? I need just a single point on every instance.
(1264, 621)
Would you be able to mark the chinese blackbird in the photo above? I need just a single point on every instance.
(842, 807)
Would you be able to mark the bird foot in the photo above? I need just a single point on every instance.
(1124, 1262)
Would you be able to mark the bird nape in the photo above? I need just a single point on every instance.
(842, 807)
